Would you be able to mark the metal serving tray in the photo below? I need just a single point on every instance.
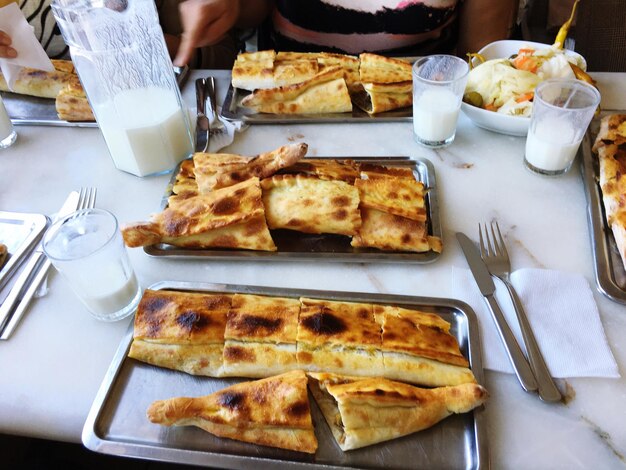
(608, 266)
(232, 110)
(117, 422)
(297, 246)
(19, 232)
(32, 111)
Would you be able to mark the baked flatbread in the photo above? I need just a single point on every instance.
(312, 205)
(417, 347)
(326, 92)
(340, 337)
(185, 185)
(393, 195)
(72, 104)
(326, 169)
(181, 331)
(253, 70)
(41, 83)
(271, 412)
(231, 217)
(260, 336)
(214, 171)
(365, 411)
(610, 145)
(379, 69)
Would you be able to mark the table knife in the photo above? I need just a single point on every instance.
(485, 283)
(26, 283)
(202, 121)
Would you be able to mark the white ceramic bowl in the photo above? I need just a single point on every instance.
(496, 122)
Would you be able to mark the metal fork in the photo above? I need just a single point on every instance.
(494, 254)
(217, 126)
(86, 200)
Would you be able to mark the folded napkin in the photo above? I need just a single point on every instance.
(30, 53)
(562, 313)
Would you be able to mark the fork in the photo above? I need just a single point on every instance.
(86, 200)
(494, 253)
(217, 126)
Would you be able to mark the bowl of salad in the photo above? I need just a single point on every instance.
(500, 86)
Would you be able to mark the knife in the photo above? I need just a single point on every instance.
(202, 121)
(34, 271)
(483, 279)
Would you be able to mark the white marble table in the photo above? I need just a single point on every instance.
(52, 367)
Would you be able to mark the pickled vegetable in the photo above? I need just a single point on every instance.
(474, 98)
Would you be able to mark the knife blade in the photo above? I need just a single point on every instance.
(31, 272)
(487, 288)
(202, 121)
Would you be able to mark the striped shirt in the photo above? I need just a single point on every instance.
(354, 26)
(39, 15)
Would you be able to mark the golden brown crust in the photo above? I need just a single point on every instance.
(71, 102)
(379, 69)
(326, 92)
(326, 169)
(362, 412)
(215, 171)
(610, 145)
(312, 205)
(273, 412)
(398, 196)
(231, 217)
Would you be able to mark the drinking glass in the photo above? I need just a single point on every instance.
(438, 85)
(562, 110)
(119, 52)
(87, 248)
(7, 133)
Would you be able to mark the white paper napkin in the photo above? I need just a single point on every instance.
(219, 141)
(562, 313)
(30, 53)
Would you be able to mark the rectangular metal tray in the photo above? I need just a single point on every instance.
(33, 111)
(297, 246)
(117, 422)
(232, 110)
(19, 232)
(608, 267)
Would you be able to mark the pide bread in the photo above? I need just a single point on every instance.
(272, 412)
(233, 201)
(256, 336)
(610, 145)
(320, 82)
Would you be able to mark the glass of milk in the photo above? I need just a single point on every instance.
(119, 52)
(438, 86)
(7, 133)
(562, 111)
(87, 248)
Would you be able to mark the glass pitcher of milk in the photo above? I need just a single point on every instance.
(119, 52)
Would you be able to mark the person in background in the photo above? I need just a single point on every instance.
(6, 51)
(391, 27)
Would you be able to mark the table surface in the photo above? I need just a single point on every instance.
(51, 368)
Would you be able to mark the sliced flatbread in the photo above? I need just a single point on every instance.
(42, 83)
(391, 232)
(326, 92)
(254, 70)
(610, 146)
(326, 169)
(185, 185)
(365, 411)
(181, 331)
(397, 196)
(72, 104)
(379, 69)
(260, 336)
(340, 337)
(231, 217)
(271, 412)
(214, 171)
(312, 205)
(417, 347)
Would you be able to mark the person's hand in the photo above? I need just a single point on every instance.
(204, 23)
(6, 51)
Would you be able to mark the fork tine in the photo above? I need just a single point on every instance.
(496, 245)
(488, 241)
(81, 197)
(92, 198)
(503, 250)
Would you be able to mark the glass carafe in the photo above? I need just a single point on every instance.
(119, 52)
